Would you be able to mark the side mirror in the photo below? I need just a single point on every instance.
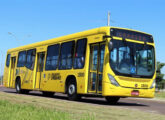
(110, 45)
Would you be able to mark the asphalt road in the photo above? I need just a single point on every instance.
(147, 105)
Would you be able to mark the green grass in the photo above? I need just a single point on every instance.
(160, 94)
(26, 107)
(9, 111)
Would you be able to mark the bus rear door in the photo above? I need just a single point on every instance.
(12, 72)
(40, 67)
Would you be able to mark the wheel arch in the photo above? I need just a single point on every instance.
(17, 78)
(68, 79)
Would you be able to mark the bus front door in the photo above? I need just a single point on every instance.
(12, 72)
(96, 68)
(40, 67)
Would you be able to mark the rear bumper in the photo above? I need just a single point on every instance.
(111, 90)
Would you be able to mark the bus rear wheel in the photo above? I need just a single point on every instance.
(18, 88)
(72, 91)
(112, 99)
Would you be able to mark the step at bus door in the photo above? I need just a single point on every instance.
(40, 67)
(96, 68)
(12, 72)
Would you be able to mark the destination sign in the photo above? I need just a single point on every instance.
(131, 35)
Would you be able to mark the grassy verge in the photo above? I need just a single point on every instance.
(160, 94)
(24, 107)
(9, 111)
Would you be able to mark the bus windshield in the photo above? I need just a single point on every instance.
(132, 59)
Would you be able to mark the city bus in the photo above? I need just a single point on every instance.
(109, 62)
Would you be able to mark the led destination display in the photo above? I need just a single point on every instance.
(131, 35)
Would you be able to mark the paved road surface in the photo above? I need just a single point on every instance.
(148, 105)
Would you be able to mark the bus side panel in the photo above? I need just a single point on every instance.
(82, 81)
(27, 79)
(55, 80)
(22, 73)
(50, 81)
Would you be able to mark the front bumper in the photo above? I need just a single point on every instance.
(111, 90)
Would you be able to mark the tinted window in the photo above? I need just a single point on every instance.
(66, 56)
(79, 59)
(8, 60)
(52, 57)
(21, 59)
(30, 59)
(132, 59)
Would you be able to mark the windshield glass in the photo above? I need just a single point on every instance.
(132, 59)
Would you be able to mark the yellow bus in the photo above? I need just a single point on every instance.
(108, 61)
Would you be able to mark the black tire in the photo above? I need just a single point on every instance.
(18, 88)
(48, 94)
(112, 99)
(72, 91)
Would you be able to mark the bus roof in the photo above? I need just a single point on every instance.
(101, 30)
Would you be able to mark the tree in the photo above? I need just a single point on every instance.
(1, 80)
(159, 76)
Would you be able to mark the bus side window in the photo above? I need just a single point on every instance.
(8, 60)
(30, 59)
(66, 55)
(21, 59)
(79, 59)
(52, 57)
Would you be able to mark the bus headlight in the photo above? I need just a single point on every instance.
(112, 80)
(153, 84)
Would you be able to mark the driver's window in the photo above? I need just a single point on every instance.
(113, 58)
(143, 58)
(124, 55)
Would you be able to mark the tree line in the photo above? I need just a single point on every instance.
(160, 81)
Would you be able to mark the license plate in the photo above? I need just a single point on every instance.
(135, 93)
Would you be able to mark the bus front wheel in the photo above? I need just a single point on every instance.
(72, 91)
(112, 99)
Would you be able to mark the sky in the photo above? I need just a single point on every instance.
(24, 22)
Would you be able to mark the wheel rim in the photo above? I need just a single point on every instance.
(17, 86)
(71, 89)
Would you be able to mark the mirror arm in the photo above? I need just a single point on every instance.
(110, 45)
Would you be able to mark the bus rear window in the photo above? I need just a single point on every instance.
(8, 60)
